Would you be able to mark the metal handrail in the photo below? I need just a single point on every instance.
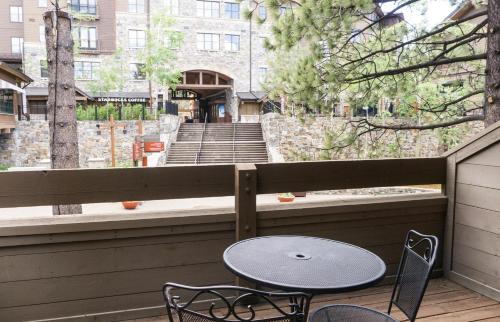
(234, 138)
(197, 159)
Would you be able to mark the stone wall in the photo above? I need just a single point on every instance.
(294, 139)
(29, 143)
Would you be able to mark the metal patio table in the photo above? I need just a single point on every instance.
(306, 264)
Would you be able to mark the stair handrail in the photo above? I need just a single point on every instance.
(234, 139)
(197, 160)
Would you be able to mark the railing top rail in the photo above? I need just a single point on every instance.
(197, 159)
(47, 187)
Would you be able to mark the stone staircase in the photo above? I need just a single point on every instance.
(218, 143)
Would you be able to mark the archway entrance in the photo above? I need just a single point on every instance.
(204, 95)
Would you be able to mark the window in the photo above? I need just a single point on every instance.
(136, 6)
(172, 6)
(232, 42)
(44, 69)
(42, 3)
(174, 40)
(262, 74)
(208, 41)
(87, 37)
(262, 11)
(16, 14)
(210, 9)
(6, 101)
(232, 10)
(136, 39)
(86, 70)
(42, 33)
(137, 72)
(283, 11)
(17, 45)
(84, 6)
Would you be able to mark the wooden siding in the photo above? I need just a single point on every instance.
(8, 29)
(47, 275)
(112, 267)
(477, 223)
(475, 249)
(7, 122)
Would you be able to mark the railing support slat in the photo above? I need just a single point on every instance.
(245, 190)
(245, 201)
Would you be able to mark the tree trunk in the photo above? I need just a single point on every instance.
(61, 101)
(492, 111)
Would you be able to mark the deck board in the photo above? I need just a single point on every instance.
(444, 301)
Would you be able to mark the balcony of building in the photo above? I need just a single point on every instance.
(111, 267)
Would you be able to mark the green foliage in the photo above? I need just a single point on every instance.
(124, 164)
(159, 54)
(4, 167)
(129, 112)
(452, 136)
(112, 74)
(296, 155)
(321, 59)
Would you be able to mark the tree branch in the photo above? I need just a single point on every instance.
(409, 42)
(416, 67)
(406, 126)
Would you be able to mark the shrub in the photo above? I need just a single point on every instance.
(129, 112)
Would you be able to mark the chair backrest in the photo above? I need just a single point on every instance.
(415, 267)
(231, 303)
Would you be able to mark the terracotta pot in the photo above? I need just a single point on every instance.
(285, 199)
(130, 205)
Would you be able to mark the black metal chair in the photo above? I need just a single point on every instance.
(415, 267)
(230, 304)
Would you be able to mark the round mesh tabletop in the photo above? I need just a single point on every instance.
(307, 264)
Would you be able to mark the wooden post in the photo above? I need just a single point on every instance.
(449, 189)
(112, 132)
(245, 191)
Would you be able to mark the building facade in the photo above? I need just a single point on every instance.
(221, 56)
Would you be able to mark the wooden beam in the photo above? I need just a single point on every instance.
(49, 187)
(331, 175)
(450, 190)
(245, 200)
(245, 189)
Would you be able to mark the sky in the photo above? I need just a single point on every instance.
(437, 11)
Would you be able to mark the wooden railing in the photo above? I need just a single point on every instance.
(112, 266)
(48, 187)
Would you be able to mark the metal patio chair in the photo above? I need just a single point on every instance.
(230, 304)
(415, 267)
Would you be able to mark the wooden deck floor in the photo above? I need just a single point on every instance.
(444, 301)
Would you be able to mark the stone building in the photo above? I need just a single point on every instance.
(221, 57)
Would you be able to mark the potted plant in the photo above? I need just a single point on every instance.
(286, 197)
(130, 205)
